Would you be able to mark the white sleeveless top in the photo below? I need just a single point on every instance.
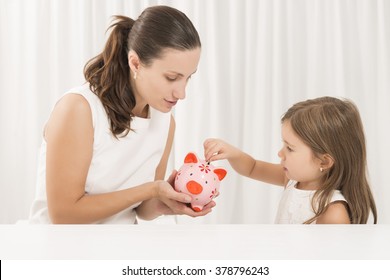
(295, 206)
(116, 163)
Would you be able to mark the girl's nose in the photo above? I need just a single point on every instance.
(280, 153)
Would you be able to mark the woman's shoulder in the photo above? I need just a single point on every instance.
(84, 100)
(72, 104)
(84, 91)
(70, 116)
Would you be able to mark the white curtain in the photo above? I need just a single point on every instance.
(258, 58)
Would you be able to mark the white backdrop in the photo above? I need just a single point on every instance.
(258, 58)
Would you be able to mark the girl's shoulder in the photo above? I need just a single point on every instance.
(335, 213)
(338, 196)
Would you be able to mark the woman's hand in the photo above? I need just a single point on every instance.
(175, 203)
(167, 201)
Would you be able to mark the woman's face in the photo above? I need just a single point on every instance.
(161, 84)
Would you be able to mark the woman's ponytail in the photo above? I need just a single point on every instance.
(108, 75)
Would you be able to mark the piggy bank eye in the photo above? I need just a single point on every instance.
(191, 174)
(206, 182)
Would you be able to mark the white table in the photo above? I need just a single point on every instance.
(195, 242)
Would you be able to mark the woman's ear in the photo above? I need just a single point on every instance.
(134, 61)
(326, 161)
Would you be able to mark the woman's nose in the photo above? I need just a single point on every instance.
(180, 93)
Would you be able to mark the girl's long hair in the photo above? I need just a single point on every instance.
(108, 74)
(333, 126)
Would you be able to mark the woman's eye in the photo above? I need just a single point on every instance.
(289, 149)
(171, 79)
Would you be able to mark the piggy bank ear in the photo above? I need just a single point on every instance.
(191, 158)
(221, 173)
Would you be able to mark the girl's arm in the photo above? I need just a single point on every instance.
(244, 164)
(69, 137)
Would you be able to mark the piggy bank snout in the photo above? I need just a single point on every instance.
(194, 187)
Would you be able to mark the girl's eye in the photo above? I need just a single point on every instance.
(289, 149)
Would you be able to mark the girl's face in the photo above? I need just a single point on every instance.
(298, 160)
(163, 83)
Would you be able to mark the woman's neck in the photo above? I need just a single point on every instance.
(141, 111)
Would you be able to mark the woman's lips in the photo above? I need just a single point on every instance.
(171, 103)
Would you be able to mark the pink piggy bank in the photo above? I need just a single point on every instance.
(199, 179)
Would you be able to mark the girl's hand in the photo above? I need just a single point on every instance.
(216, 149)
(175, 203)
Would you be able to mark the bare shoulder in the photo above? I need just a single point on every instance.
(335, 213)
(71, 111)
(72, 103)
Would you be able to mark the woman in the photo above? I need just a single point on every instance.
(106, 144)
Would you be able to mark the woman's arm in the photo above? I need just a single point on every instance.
(162, 166)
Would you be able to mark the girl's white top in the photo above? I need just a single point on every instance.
(116, 163)
(295, 207)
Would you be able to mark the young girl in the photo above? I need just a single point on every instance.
(323, 164)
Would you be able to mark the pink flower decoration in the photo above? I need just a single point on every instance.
(204, 168)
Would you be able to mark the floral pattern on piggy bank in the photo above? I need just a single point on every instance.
(199, 179)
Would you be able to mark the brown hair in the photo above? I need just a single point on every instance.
(157, 28)
(333, 126)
